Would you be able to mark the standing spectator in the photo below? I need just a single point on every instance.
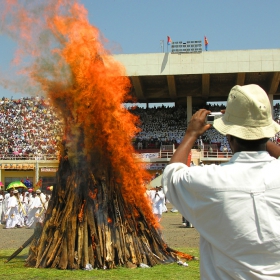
(12, 211)
(139, 145)
(36, 211)
(157, 197)
(1, 205)
(6, 199)
(235, 206)
(186, 223)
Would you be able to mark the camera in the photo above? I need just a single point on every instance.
(213, 116)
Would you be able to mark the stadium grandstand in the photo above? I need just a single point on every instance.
(31, 131)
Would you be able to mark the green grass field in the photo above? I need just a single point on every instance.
(15, 269)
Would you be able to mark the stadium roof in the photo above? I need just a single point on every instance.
(206, 76)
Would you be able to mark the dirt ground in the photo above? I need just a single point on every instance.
(174, 234)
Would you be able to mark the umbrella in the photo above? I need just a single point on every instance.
(156, 182)
(15, 185)
(1, 184)
(28, 183)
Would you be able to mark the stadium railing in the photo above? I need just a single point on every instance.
(166, 151)
(28, 157)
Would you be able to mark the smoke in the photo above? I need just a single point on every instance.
(61, 54)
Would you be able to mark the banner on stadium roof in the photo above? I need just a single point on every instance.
(147, 155)
(17, 166)
(48, 169)
(154, 166)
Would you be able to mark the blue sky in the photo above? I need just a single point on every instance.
(138, 26)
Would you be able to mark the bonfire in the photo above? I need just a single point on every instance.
(99, 214)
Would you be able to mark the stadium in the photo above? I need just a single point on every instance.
(108, 164)
(181, 82)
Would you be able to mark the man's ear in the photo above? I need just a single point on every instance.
(230, 139)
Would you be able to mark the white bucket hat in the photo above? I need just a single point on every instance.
(248, 114)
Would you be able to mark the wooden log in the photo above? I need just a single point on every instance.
(27, 242)
(53, 251)
(85, 259)
(118, 242)
(90, 252)
(120, 214)
(117, 246)
(80, 244)
(63, 262)
(56, 260)
(108, 245)
(130, 248)
(71, 234)
(137, 245)
(100, 231)
(94, 236)
(31, 260)
(41, 259)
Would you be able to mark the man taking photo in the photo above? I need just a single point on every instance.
(235, 206)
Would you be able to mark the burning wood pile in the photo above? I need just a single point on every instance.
(90, 222)
(99, 213)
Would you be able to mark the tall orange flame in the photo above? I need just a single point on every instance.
(63, 56)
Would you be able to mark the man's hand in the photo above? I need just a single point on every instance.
(273, 149)
(197, 125)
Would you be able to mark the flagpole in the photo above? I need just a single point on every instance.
(162, 45)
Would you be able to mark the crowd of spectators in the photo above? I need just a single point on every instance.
(167, 125)
(30, 127)
(160, 126)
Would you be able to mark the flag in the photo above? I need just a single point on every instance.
(206, 43)
(169, 41)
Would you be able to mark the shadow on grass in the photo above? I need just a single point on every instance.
(6, 254)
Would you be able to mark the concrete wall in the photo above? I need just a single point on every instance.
(200, 63)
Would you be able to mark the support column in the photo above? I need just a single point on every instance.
(270, 96)
(37, 171)
(274, 84)
(189, 108)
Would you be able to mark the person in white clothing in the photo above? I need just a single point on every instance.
(235, 206)
(12, 211)
(46, 205)
(36, 210)
(1, 206)
(6, 197)
(31, 198)
(157, 198)
(25, 200)
(22, 209)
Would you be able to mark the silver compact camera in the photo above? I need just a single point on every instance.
(213, 116)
